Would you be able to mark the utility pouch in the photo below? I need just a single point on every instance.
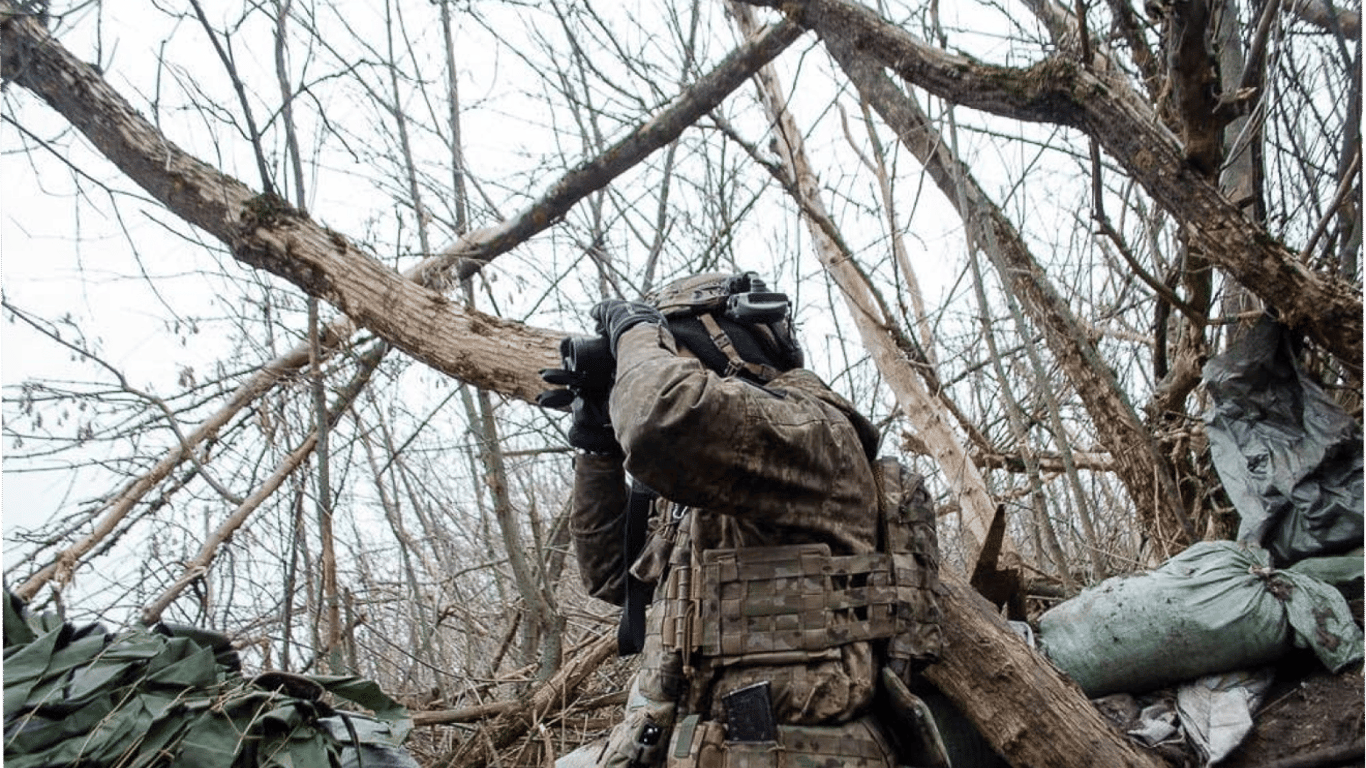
(640, 740)
(701, 743)
(749, 714)
(907, 520)
(697, 743)
(705, 744)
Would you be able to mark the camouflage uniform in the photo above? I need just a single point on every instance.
(741, 466)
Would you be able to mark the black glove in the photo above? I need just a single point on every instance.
(616, 316)
(591, 428)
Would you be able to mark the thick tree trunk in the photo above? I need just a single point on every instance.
(1026, 709)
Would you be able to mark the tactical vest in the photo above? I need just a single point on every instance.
(787, 604)
(795, 604)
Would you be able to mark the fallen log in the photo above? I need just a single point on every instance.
(1024, 707)
(464, 714)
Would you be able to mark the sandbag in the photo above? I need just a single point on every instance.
(1216, 607)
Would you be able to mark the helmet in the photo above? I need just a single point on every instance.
(731, 322)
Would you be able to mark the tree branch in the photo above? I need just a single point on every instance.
(480, 349)
(1062, 92)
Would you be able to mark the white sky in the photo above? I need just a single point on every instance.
(66, 251)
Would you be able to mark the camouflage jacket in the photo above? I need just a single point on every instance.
(788, 463)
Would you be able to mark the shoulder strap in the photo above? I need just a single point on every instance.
(631, 630)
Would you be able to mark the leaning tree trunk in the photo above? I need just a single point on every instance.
(1017, 699)
(1026, 709)
(1136, 462)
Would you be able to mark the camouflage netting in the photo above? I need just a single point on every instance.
(170, 697)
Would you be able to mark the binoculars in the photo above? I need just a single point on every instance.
(588, 366)
(590, 357)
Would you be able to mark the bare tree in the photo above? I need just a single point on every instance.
(1013, 241)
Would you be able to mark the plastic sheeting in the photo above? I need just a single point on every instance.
(1217, 710)
(367, 742)
(1216, 607)
(1342, 571)
(1289, 457)
(1199, 723)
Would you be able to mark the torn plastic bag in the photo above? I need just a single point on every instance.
(1289, 457)
(1158, 725)
(1216, 710)
(1216, 607)
(1196, 724)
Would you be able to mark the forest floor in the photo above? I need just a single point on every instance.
(1309, 719)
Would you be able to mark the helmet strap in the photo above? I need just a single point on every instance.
(722, 350)
(736, 365)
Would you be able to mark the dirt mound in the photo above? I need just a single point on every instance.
(1309, 718)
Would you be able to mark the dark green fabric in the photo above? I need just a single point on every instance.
(17, 631)
(169, 698)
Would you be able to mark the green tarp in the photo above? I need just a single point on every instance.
(174, 698)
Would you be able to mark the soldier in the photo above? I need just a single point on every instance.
(753, 520)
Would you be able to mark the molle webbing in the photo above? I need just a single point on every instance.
(777, 600)
(907, 520)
